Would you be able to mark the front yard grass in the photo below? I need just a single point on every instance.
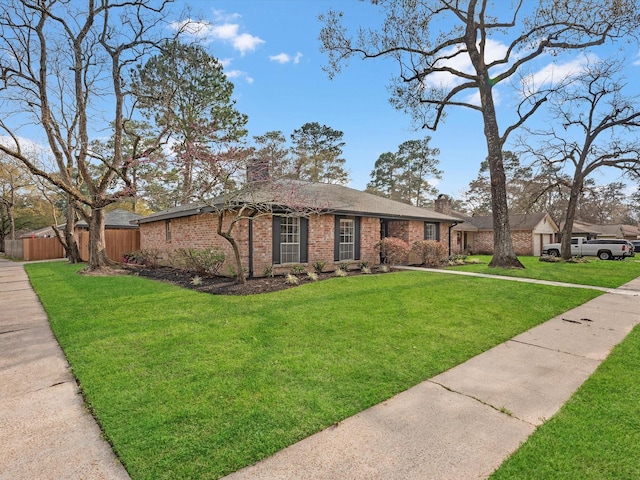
(600, 273)
(596, 434)
(192, 385)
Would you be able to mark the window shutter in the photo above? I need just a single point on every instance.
(304, 240)
(336, 239)
(356, 240)
(437, 231)
(275, 235)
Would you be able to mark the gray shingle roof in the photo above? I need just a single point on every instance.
(318, 196)
(117, 219)
(516, 222)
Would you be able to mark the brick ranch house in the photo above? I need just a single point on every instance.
(529, 232)
(343, 226)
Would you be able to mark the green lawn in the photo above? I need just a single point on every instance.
(596, 434)
(601, 273)
(191, 385)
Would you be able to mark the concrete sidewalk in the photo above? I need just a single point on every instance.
(45, 431)
(458, 425)
(464, 423)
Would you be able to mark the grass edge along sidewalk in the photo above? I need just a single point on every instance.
(596, 434)
(189, 381)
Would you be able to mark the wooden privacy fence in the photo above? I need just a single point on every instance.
(118, 242)
(29, 249)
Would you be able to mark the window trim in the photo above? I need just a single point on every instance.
(293, 230)
(436, 227)
(337, 238)
(276, 240)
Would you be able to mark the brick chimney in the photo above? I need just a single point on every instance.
(258, 170)
(442, 204)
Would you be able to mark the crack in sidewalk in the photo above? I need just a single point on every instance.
(503, 409)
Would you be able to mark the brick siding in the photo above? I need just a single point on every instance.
(199, 231)
(483, 242)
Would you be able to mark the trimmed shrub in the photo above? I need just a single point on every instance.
(147, 258)
(392, 250)
(204, 261)
(430, 252)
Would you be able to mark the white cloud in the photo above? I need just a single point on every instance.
(636, 62)
(246, 43)
(555, 73)
(280, 58)
(239, 74)
(493, 51)
(286, 58)
(225, 31)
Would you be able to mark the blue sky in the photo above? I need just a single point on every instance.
(271, 52)
(279, 83)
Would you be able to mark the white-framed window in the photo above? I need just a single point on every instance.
(290, 240)
(430, 231)
(347, 239)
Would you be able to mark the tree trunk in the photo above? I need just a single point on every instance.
(97, 246)
(567, 229)
(70, 242)
(504, 255)
(234, 245)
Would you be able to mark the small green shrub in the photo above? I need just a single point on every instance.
(234, 274)
(344, 266)
(340, 273)
(318, 267)
(268, 271)
(204, 261)
(430, 252)
(196, 281)
(365, 270)
(392, 250)
(297, 269)
(313, 276)
(364, 265)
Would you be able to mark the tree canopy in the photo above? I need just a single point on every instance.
(406, 174)
(317, 151)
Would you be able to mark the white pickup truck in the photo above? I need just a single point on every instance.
(604, 249)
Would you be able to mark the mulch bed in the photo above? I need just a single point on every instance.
(222, 285)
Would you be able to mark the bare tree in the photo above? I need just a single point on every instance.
(473, 49)
(241, 188)
(598, 128)
(63, 67)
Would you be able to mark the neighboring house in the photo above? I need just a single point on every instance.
(340, 225)
(590, 230)
(475, 236)
(529, 232)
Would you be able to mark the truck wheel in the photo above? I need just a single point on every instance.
(604, 255)
(554, 253)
